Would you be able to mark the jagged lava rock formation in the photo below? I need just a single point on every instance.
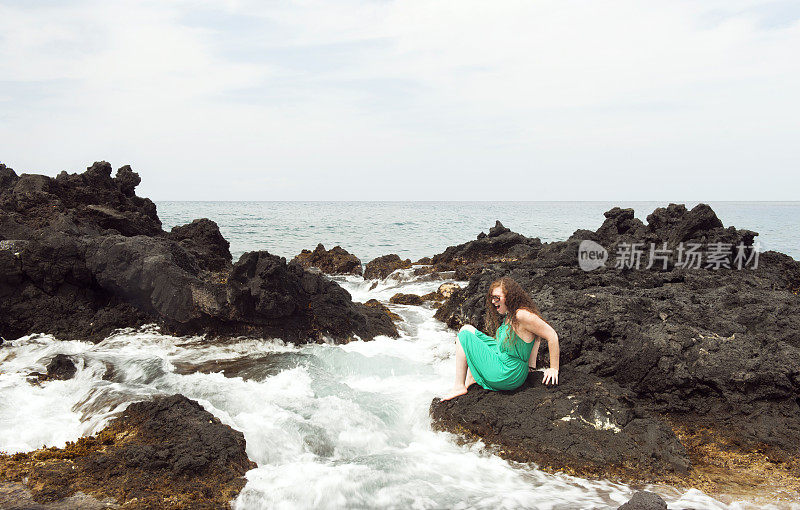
(82, 255)
(708, 357)
(165, 453)
(335, 261)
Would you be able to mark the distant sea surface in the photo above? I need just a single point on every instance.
(418, 229)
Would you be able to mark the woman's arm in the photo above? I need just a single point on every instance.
(538, 327)
(534, 353)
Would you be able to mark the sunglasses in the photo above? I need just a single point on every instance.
(495, 299)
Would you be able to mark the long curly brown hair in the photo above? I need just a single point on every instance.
(516, 298)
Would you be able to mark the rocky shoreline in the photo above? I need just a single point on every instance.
(164, 453)
(82, 255)
(675, 374)
(656, 364)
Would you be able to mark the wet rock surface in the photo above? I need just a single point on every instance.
(583, 425)
(645, 500)
(15, 496)
(708, 349)
(406, 299)
(381, 267)
(374, 303)
(82, 255)
(60, 368)
(446, 290)
(254, 367)
(337, 260)
(164, 453)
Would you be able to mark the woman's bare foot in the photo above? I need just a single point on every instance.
(458, 390)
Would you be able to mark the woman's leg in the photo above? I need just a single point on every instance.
(462, 373)
(470, 380)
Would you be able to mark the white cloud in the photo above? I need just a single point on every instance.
(409, 99)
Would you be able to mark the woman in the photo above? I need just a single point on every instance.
(503, 362)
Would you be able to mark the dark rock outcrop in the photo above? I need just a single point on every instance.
(268, 293)
(60, 368)
(154, 275)
(47, 287)
(337, 260)
(444, 291)
(425, 270)
(202, 241)
(500, 245)
(8, 177)
(705, 348)
(381, 267)
(645, 500)
(374, 303)
(583, 425)
(168, 452)
(667, 227)
(433, 296)
(82, 255)
(406, 299)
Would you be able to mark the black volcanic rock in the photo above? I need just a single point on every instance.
(203, 241)
(498, 229)
(271, 293)
(381, 267)
(668, 226)
(127, 180)
(154, 275)
(406, 299)
(47, 287)
(501, 245)
(82, 255)
(337, 260)
(620, 222)
(8, 177)
(585, 424)
(86, 203)
(645, 500)
(61, 367)
(714, 348)
(165, 453)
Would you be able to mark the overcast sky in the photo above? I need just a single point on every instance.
(409, 100)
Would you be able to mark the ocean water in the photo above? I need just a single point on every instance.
(418, 229)
(330, 426)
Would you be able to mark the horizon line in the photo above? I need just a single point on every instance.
(674, 201)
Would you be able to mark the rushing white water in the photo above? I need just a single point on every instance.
(329, 426)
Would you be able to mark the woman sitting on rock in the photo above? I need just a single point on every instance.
(503, 362)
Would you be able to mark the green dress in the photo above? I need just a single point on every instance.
(495, 364)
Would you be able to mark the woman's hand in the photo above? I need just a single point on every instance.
(550, 376)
